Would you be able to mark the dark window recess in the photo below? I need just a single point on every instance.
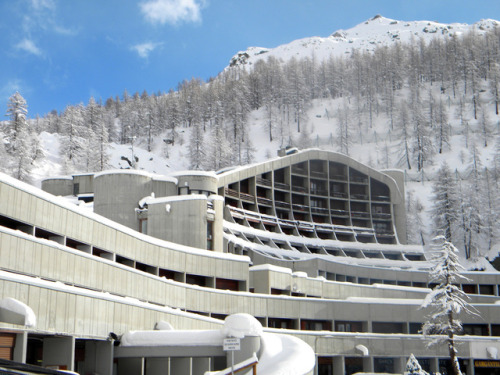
(125, 261)
(34, 350)
(280, 323)
(276, 291)
(487, 289)
(353, 365)
(469, 288)
(383, 365)
(227, 284)
(315, 325)
(76, 189)
(196, 280)
(346, 326)
(387, 327)
(415, 328)
(495, 330)
(476, 329)
(168, 274)
(16, 225)
(218, 316)
(325, 365)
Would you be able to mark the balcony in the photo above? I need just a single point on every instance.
(247, 197)
(263, 181)
(339, 213)
(381, 215)
(281, 186)
(339, 194)
(231, 193)
(300, 208)
(359, 214)
(338, 177)
(319, 210)
(299, 189)
(319, 174)
(381, 198)
(280, 204)
(362, 197)
(358, 179)
(320, 192)
(265, 201)
(299, 170)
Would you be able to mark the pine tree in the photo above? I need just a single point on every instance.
(413, 367)
(444, 211)
(446, 300)
(22, 143)
(17, 112)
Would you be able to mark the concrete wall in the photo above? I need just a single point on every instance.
(182, 221)
(85, 183)
(117, 196)
(58, 186)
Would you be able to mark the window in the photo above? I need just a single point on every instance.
(210, 233)
(346, 326)
(143, 226)
(383, 365)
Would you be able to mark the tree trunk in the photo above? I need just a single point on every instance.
(451, 347)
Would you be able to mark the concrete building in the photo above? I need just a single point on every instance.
(311, 244)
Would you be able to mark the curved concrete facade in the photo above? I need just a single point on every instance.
(90, 279)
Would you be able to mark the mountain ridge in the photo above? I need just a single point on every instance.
(365, 37)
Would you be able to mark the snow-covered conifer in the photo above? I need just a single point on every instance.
(446, 301)
(413, 367)
(444, 199)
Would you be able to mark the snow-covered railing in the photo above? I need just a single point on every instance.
(250, 363)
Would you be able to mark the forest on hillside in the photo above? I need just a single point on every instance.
(423, 93)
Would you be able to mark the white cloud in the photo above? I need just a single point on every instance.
(172, 11)
(29, 46)
(144, 49)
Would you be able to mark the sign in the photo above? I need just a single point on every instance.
(487, 363)
(231, 344)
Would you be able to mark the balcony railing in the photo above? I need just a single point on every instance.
(263, 181)
(340, 213)
(299, 189)
(319, 210)
(363, 197)
(231, 193)
(338, 194)
(281, 186)
(360, 214)
(301, 208)
(247, 197)
(266, 201)
(282, 204)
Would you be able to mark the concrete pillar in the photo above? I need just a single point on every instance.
(59, 352)
(338, 365)
(180, 366)
(469, 368)
(20, 348)
(368, 364)
(130, 366)
(399, 365)
(99, 357)
(200, 365)
(158, 366)
(434, 364)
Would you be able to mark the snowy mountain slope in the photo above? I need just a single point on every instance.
(376, 144)
(376, 32)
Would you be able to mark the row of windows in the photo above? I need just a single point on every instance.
(210, 282)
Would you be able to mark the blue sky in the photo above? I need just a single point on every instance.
(62, 52)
